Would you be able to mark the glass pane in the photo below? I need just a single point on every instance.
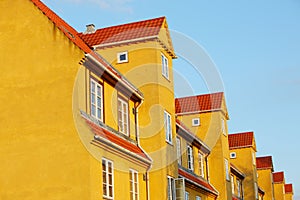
(93, 110)
(109, 167)
(93, 86)
(99, 90)
(110, 179)
(104, 177)
(93, 98)
(110, 191)
(104, 189)
(99, 102)
(99, 113)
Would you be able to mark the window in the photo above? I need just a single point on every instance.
(187, 195)
(107, 176)
(227, 169)
(232, 183)
(201, 164)
(134, 189)
(256, 190)
(233, 155)
(171, 188)
(254, 158)
(196, 122)
(223, 128)
(165, 66)
(96, 100)
(190, 158)
(198, 198)
(239, 187)
(122, 57)
(178, 143)
(123, 116)
(168, 127)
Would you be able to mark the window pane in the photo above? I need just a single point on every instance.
(93, 86)
(93, 110)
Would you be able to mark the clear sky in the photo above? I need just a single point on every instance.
(255, 46)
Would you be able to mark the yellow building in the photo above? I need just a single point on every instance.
(236, 177)
(242, 154)
(288, 190)
(264, 166)
(206, 116)
(192, 156)
(279, 182)
(42, 156)
(143, 52)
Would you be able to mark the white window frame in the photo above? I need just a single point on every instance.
(201, 164)
(123, 116)
(254, 158)
(119, 57)
(171, 188)
(96, 95)
(227, 169)
(223, 127)
(134, 183)
(178, 143)
(198, 198)
(165, 66)
(105, 183)
(187, 195)
(233, 155)
(194, 120)
(256, 190)
(190, 157)
(168, 127)
(232, 184)
(239, 187)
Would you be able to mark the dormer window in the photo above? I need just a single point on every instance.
(122, 57)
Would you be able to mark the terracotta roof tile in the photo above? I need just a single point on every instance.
(288, 188)
(240, 140)
(124, 32)
(201, 182)
(278, 177)
(205, 102)
(264, 162)
(70, 32)
(113, 138)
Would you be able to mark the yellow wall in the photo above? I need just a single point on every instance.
(289, 196)
(244, 162)
(193, 193)
(41, 154)
(210, 132)
(266, 183)
(144, 70)
(279, 191)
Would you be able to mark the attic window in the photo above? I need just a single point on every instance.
(122, 57)
(232, 155)
(196, 122)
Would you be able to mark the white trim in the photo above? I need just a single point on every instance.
(124, 116)
(165, 66)
(232, 155)
(168, 126)
(95, 103)
(171, 188)
(178, 150)
(194, 120)
(227, 174)
(186, 195)
(197, 112)
(107, 174)
(126, 84)
(120, 54)
(124, 41)
(190, 157)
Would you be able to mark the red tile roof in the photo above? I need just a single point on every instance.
(288, 188)
(200, 182)
(70, 32)
(124, 32)
(113, 138)
(205, 102)
(241, 140)
(264, 162)
(278, 177)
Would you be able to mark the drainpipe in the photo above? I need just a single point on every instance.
(137, 135)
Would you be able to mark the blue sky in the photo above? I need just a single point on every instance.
(255, 46)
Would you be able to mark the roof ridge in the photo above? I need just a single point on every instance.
(129, 23)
